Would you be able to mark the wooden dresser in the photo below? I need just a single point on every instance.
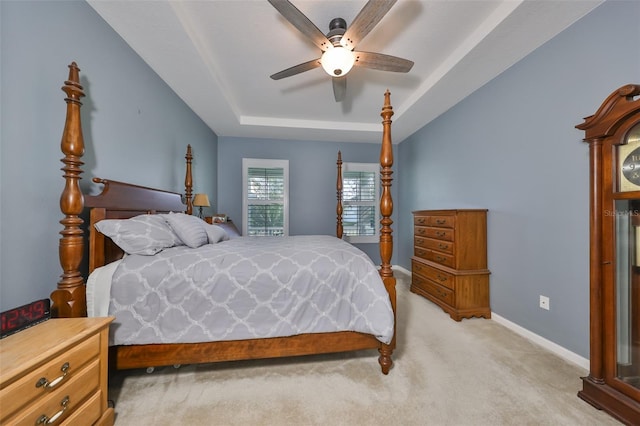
(449, 266)
(56, 372)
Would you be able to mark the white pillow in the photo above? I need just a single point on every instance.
(215, 233)
(146, 234)
(190, 229)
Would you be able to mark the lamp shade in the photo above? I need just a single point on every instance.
(201, 200)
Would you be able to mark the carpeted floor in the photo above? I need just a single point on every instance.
(474, 372)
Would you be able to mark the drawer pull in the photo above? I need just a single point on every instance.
(443, 246)
(44, 383)
(421, 220)
(44, 420)
(441, 233)
(442, 278)
(441, 221)
(440, 258)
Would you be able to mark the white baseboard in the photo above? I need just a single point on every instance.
(535, 338)
(547, 344)
(401, 269)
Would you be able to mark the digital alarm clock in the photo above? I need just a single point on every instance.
(25, 316)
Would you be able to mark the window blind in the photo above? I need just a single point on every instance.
(265, 208)
(359, 199)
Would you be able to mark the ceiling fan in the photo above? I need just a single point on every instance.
(338, 44)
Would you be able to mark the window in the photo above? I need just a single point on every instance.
(360, 200)
(265, 194)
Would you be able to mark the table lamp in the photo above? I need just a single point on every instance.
(201, 200)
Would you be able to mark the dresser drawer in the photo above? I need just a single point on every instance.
(62, 401)
(435, 256)
(441, 293)
(445, 234)
(88, 413)
(47, 378)
(437, 221)
(440, 245)
(439, 277)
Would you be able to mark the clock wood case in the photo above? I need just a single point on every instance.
(613, 135)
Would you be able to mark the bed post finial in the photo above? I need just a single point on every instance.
(339, 228)
(69, 299)
(188, 181)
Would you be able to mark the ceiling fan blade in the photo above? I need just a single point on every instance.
(339, 87)
(296, 69)
(378, 61)
(301, 22)
(369, 16)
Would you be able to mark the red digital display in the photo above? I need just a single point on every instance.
(17, 319)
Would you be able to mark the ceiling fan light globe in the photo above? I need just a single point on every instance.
(337, 61)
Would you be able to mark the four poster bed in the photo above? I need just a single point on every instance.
(148, 344)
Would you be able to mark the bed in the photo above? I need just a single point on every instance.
(121, 202)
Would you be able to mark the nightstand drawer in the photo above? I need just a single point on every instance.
(50, 376)
(62, 401)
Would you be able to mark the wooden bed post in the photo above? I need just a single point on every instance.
(386, 239)
(339, 195)
(69, 298)
(188, 181)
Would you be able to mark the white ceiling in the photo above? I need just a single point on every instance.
(218, 56)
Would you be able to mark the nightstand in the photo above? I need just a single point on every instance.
(56, 371)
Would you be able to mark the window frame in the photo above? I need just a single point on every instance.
(363, 167)
(266, 164)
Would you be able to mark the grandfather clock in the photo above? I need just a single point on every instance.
(613, 135)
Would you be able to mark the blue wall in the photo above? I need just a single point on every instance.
(135, 129)
(512, 148)
(312, 179)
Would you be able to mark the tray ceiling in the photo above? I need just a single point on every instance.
(218, 56)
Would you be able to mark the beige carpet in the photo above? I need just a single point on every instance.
(474, 372)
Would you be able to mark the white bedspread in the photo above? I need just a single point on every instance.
(250, 287)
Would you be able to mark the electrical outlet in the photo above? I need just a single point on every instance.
(544, 302)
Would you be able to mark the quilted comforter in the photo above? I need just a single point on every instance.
(250, 287)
